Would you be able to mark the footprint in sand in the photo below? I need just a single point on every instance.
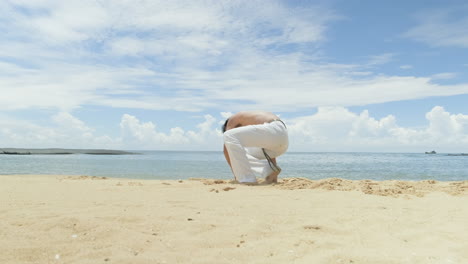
(240, 243)
(312, 227)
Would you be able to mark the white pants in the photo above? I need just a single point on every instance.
(245, 144)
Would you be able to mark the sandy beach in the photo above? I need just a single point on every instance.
(84, 219)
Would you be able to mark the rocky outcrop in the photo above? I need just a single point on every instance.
(59, 151)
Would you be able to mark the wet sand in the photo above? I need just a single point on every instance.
(63, 219)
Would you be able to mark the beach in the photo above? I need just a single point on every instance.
(86, 219)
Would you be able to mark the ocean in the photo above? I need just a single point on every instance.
(190, 164)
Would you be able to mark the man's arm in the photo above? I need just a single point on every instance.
(226, 155)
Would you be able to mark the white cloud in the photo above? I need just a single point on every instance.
(65, 86)
(68, 132)
(17, 133)
(68, 122)
(446, 127)
(406, 67)
(381, 59)
(226, 114)
(64, 22)
(56, 22)
(338, 129)
(444, 76)
(444, 27)
(143, 135)
(330, 129)
(206, 127)
(185, 56)
(292, 89)
(359, 73)
(66, 55)
(180, 48)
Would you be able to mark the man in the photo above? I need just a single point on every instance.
(251, 136)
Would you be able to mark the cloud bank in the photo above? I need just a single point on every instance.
(210, 56)
(193, 56)
(330, 129)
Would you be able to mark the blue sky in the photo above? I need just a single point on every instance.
(386, 76)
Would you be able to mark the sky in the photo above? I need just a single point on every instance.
(344, 75)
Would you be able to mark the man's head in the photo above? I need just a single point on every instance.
(225, 124)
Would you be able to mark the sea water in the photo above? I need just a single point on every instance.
(189, 164)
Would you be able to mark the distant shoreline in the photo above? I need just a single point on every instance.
(61, 151)
(65, 151)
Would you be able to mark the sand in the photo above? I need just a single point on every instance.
(63, 219)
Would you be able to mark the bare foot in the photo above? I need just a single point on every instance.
(273, 177)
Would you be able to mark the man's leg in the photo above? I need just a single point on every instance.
(267, 136)
(237, 154)
(275, 169)
(273, 176)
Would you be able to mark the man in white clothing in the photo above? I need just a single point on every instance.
(251, 135)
